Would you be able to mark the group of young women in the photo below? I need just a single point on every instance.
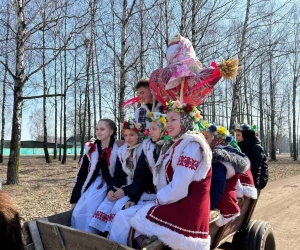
(172, 170)
(162, 186)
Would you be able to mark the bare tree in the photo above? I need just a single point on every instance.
(4, 88)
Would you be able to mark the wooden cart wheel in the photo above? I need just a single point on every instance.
(265, 237)
(239, 241)
(260, 236)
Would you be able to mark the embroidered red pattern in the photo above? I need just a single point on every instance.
(103, 216)
(188, 162)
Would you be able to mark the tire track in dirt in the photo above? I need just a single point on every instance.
(279, 203)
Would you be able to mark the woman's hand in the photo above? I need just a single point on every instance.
(110, 196)
(73, 205)
(129, 204)
(119, 193)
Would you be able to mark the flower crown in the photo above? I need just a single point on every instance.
(218, 131)
(243, 127)
(132, 125)
(184, 108)
(157, 117)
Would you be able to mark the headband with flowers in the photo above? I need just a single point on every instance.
(185, 108)
(157, 117)
(218, 132)
(243, 127)
(161, 120)
(220, 135)
(132, 125)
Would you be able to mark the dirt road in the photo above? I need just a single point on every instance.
(279, 204)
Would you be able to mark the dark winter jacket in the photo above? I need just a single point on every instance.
(142, 180)
(221, 156)
(251, 146)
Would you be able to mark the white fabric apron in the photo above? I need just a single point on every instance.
(106, 212)
(87, 205)
(120, 227)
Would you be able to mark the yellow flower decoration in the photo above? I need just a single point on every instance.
(221, 130)
(150, 114)
(163, 120)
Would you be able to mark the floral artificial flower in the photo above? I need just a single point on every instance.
(157, 117)
(243, 127)
(177, 104)
(163, 120)
(188, 108)
(212, 128)
(185, 108)
(133, 125)
(229, 139)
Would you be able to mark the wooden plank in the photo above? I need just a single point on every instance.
(74, 239)
(61, 218)
(48, 235)
(29, 247)
(26, 234)
(35, 235)
(156, 245)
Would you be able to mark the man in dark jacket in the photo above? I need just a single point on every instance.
(251, 146)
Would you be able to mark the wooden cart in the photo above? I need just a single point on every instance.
(54, 233)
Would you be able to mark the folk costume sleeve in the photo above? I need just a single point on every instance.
(81, 177)
(183, 175)
(119, 178)
(218, 183)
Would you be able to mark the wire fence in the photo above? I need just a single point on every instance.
(40, 151)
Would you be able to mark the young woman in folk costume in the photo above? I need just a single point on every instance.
(128, 185)
(151, 148)
(94, 175)
(246, 185)
(180, 217)
(227, 164)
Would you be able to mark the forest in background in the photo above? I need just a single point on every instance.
(66, 64)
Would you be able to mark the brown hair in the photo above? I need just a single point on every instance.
(10, 226)
(111, 124)
(144, 82)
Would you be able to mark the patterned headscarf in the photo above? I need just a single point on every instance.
(186, 124)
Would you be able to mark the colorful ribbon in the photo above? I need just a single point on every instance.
(131, 101)
(216, 73)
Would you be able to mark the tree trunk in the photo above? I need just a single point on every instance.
(47, 156)
(273, 113)
(261, 106)
(182, 27)
(237, 84)
(61, 108)
(55, 106)
(289, 125)
(15, 145)
(123, 62)
(295, 151)
(64, 158)
(142, 66)
(4, 90)
(75, 104)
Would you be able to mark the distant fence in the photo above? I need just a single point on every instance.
(40, 151)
